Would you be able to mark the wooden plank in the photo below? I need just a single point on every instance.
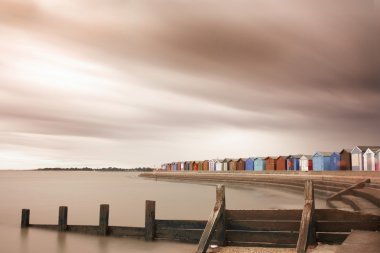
(180, 224)
(25, 216)
(340, 215)
(346, 226)
(331, 238)
(251, 225)
(262, 237)
(291, 214)
(213, 220)
(260, 244)
(150, 216)
(348, 189)
(83, 229)
(126, 231)
(44, 226)
(103, 219)
(185, 235)
(62, 218)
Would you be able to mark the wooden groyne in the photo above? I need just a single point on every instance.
(295, 228)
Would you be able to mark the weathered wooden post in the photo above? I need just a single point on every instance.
(103, 219)
(220, 234)
(150, 216)
(25, 214)
(307, 234)
(215, 220)
(62, 218)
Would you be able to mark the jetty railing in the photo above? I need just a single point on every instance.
(294, 228)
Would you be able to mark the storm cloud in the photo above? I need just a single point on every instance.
(135, 83)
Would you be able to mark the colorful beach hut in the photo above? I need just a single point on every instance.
(225, 164)
(218, 165)
(249, 163)
(306, 163)
(357, 156)
(293, 163)
(232, 164)
(281, 163)
(377, 160)
(259, 164)
(211, 164)
(321, 161)
(240, 164)
(270, 163)
(174, 167)
(205, 165)
(369, 160)
(195, 166)
(335, 161)
(345, 159)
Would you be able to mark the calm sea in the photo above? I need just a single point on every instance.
(83, 192)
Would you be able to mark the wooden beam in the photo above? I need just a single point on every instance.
(150, 216)
(103, 219)
(307, 234)
(25, 214)
(337, 195)
(62, 218)
(214, 221)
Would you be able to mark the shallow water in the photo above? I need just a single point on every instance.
(83, 192)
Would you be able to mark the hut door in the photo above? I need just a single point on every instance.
(369, 162)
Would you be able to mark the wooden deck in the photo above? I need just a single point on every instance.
(361, 241)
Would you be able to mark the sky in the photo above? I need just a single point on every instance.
(132, 83)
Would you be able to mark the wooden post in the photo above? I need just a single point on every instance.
(150, 216)
(220, 233)
(307, 234)
(213, 221)
(62, 218)
(103, 219)
(25, 214)
(339, 194)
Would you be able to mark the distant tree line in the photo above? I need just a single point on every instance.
(142, 169)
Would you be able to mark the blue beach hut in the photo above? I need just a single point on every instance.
(293, 162)
(259, 164)
(335, 161)
(249, 164)
(174, 167)
(321, 161)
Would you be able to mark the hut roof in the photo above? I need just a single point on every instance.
(282, 156)
(372, 148)
(296, 156)
(348, 150)
(324, 153)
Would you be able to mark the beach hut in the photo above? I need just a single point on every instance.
(205, 165)
(181, 166)
(321, 161)
(335, 161)
(200, 164)
(169, 167)
(195, 166)
(306, 163)
(345, 159)
(292, 162)
(259, 164)
(218, 165)
(270, 163)
(211, 164)
(163, 166)
(232, 164)
(281, 163)
(240, 164)
(369, 160)
(174, 166)
(357, 156)
(377, 160)
(249, 163)
(225, 164)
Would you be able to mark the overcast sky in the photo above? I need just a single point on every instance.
(138, 83)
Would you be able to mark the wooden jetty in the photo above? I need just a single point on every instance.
(295, 228)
